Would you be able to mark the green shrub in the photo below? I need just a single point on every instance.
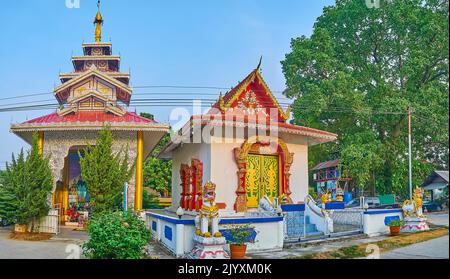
(396, 223)
(116, 235)
(150, 201)
(105, 172)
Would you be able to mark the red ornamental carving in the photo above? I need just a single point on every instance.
(191, 185)
(185, 175)
(197, 182)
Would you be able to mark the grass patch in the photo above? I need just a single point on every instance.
(359, 251)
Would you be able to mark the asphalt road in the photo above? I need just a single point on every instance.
(433, 249)
(440, 219)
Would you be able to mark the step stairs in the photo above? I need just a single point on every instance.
(297, 223)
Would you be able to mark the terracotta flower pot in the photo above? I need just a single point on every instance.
(238, 251)
(395, 230)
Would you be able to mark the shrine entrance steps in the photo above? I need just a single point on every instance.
(298, 228)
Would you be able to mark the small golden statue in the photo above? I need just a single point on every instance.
(325, 197)
(414, 207)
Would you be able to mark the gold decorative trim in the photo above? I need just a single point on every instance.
(96, 57)
(241, 155)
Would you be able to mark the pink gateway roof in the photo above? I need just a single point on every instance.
(90, 116)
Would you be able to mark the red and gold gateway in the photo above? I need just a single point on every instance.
(95, 94)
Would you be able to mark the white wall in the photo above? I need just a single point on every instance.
(374, 223)
(299, 172)
(269, 236)
(224, 173)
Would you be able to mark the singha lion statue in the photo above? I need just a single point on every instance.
(208, 216)
(414, 207)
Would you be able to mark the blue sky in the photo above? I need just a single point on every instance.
(177, 42)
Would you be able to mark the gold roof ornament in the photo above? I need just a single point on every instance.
(98, 24)
(288, 112)
(222, 106)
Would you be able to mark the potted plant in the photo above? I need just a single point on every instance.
(395, 226)
(239, 236)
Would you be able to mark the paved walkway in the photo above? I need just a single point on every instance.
(65, 245)
(55, 248)
(433, 249)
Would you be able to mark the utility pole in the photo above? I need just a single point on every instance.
(410, 152)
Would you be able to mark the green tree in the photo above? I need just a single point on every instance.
(147, 115)
(356, 76)
(158, 172)
(6, 200)
(27, 187)
(105, 172)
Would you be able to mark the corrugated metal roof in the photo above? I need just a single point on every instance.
(326, 165)
(90, 116)
(436, 177)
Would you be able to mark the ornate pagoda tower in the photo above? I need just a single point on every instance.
(95, 94)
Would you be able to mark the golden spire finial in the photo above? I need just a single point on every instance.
(98, 24)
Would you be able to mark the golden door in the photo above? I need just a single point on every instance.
(262, 178)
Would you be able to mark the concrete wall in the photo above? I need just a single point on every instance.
(224, 172)
(374, 220)
(177, 235)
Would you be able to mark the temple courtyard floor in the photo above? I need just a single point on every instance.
(66, 246)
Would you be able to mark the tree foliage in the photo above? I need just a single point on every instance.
(27, 186)
(105, 172)
(116, 235)
(158, 172)
(356, 76)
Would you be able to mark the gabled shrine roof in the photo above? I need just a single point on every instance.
(255, 83)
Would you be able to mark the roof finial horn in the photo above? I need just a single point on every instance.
(259, 64)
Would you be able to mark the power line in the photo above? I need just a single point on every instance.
(178, 102)
(143, 87)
